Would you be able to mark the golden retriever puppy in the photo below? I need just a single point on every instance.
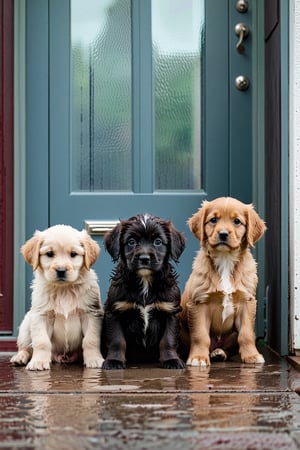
(219, 299)
(64, 322)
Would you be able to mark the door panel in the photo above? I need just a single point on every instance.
(171, 183)
(174, 201)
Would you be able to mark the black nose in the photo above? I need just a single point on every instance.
(144, 259)
(223, 235)
(61, 274)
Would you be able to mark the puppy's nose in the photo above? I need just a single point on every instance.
(144, 259)
(61, 273)
(223, 235)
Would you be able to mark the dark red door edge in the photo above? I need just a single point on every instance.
(6, 171)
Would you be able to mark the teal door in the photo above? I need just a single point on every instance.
(139, 112)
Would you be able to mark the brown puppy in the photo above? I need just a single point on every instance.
(219, 304)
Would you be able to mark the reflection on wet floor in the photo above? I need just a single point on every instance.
(227, 406)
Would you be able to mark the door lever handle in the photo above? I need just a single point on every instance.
(242, 31)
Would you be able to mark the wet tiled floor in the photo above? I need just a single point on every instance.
(227, 406)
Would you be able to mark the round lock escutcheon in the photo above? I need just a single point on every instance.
(242, 6)
(242, 83)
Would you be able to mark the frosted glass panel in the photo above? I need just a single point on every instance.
(177, 34)
(101, 121)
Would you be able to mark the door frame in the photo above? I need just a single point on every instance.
(36, 110)
(277, 174)
(258, 153)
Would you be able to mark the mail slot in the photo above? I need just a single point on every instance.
(99, 227)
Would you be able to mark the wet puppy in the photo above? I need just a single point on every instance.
(219, 300)
(64, 322)
(141, 311)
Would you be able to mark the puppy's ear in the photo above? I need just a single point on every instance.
(31, 250)
(177, 241)
(197, 222)
(91, 249)
(255, 226)
(112, 242)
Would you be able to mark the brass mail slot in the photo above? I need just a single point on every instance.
(99, 227)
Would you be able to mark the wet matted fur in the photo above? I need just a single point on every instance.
(64, 321)
(219, 300)
(141, 311)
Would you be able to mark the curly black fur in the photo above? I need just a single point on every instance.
(141, 311)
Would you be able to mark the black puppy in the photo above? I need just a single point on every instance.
(141, 312)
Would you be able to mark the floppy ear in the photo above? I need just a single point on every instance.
(255, 226)
(91, 249)
(177, 241)
(31, 250)
(197, 222)
(112, 242)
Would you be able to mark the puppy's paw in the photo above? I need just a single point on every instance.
(198, 361)
(175, 363)
(21, 358)
(38, 365)
(94, 363)
(113, 364)
(218, 355)
(253, 359)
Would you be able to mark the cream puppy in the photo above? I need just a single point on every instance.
(65, 318)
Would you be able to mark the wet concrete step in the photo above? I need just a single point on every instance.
(227, 406)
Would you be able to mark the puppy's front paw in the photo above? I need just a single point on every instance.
(175, 363)
(38, 365)
(198, 360)
(94, 363)
(21, 358)
(113, 364)
(253, 359)
(218, 355)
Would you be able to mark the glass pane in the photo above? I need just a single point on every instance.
(101, 95)
(177, 33)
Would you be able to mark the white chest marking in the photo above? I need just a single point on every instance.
(225, 268)
(145, 311)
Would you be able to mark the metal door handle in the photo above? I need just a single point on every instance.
(242, 31)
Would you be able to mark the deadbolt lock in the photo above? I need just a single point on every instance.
(241, 6)
(242, 83)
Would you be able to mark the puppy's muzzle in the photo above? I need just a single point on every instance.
(223, 236)
(61, 274)
(144, 260)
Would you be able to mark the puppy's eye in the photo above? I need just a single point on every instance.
(73, 254)
(131, 242)
(213, 220)
(237, 221)
(157, 242)
(50, 254)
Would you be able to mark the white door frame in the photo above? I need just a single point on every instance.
(294, 173)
